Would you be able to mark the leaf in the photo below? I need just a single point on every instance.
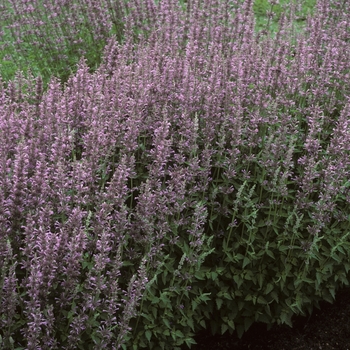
(190, 323)
(179, 334)
(262, 300)
(166, 322)
(240, 305)
(219, 303)
(194, 305)
(261, 279)
(239, 257)
(270, 254)
(164, 298)
(148, 335)
(286, 318)
(319, 278)
(248, 297)
(240, 330)
(275, 296)
(224, 328)
(269, 288)
(247, 323)
(155, 300)
(190, 341)
(204, 297)
(246, 261)
(238, 280)
(200, 275)
(214, 275)
(231, 324)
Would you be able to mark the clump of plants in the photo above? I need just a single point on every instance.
(198, 179)
(49, 37)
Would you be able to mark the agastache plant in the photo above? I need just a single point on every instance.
(197, 179)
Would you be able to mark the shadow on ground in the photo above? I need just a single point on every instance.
(326, 329)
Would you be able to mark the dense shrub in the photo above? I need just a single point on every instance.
(198, 179)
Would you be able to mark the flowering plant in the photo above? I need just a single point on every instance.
(199, 178)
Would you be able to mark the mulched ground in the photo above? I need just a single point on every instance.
(326, 329)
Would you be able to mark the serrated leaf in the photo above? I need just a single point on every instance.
(189, 342)
(286, 318)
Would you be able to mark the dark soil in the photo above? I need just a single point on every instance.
(327, 328)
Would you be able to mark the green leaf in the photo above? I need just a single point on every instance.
(275, 296)
(261, 300)
(286, 318)
(239, 257)
(246, 261)
(261, 279)
(179, 334)
(240, 330)
(148, 335)
(231, 324)
(194, 305)
(190, 341)
(155, 300)
(269, 288)
(166, 322)
(214, 275)
(270, 254)
(219, 303)
(240, 305)
(204, 297)
(200, 275)
(238, 280)
(248, 297)
(247, 323)
(190, 323)
(164, 298)
(224, 328)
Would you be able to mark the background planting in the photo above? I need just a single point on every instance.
(193, 173)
